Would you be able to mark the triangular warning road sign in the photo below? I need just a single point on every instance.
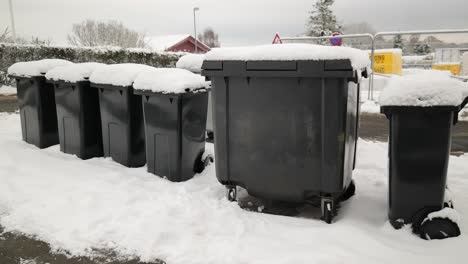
(277, 39)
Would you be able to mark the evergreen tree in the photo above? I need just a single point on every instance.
(422, 49)
(398, 42)
(322, 21)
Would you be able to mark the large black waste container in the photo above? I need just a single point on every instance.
(419, 149)
(286, 130)
(78, 114)
(123, 134)
(36, 101)
(175, 121)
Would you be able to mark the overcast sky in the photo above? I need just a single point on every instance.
(238, 22)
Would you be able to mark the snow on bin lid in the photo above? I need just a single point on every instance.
(191, 62)
(35, 68)
(73, 73)
(291, 52)
(118, 74)
(430, 88)
(169, 80)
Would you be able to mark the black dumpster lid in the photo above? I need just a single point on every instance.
(290, 52)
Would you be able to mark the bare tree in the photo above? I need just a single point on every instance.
(209, 37)
(5, 36)
(98, 33)
(39, 41)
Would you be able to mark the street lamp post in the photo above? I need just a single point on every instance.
(13, 29)
(195, 28)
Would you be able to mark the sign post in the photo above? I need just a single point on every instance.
(336, 41)
(277, 39)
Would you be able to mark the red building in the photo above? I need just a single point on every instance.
(175, 43)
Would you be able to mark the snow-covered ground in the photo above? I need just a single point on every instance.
(78, 205)
(7, 90)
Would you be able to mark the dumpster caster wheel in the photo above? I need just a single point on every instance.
(328, 210)
(439, 228)
(349, 192)
(231, 193)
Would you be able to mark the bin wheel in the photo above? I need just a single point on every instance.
(448, 204)
(438, 228)
(201, 164)
(328, 210)
(210, 135)
(231, 193)
(349, 192)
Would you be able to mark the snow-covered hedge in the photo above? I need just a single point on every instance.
(11, 53)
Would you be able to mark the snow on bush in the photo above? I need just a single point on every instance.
(73, 73)
(191, 62)
(12, 53)
(430, 88)
(170, 80)
(291, 51)
(118, 74)
(448, 213)
(35, 68)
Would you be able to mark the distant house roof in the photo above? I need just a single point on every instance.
(172, 42)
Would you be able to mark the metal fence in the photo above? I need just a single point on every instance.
(371, 45)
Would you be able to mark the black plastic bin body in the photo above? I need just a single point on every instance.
(79, 119)
(123, 135)
(419, 149)
(175, 133)
(285, 130)
(37, 111)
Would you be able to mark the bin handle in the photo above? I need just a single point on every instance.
(462, 105)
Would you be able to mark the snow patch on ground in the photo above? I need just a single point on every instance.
(35, 68)
(291, 51)
(170, 80)
(7, 90)
(79, 205)
(73, 73)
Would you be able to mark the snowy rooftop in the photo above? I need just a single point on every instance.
(292, 51)
(425, 88)
(191, 62)
(118, 74)
(35, 68)
(162, 43)
(169, 80)
(74, 72)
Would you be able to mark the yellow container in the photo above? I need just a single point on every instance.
(454, 68)
(388, 61)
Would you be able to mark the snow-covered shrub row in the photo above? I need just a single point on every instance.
(11, 53)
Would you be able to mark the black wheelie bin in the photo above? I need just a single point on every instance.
(36, 101)
(419, 151)
(286, 127)
(78, 115)
(123, 134)
(174, 106)
(193, 63)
